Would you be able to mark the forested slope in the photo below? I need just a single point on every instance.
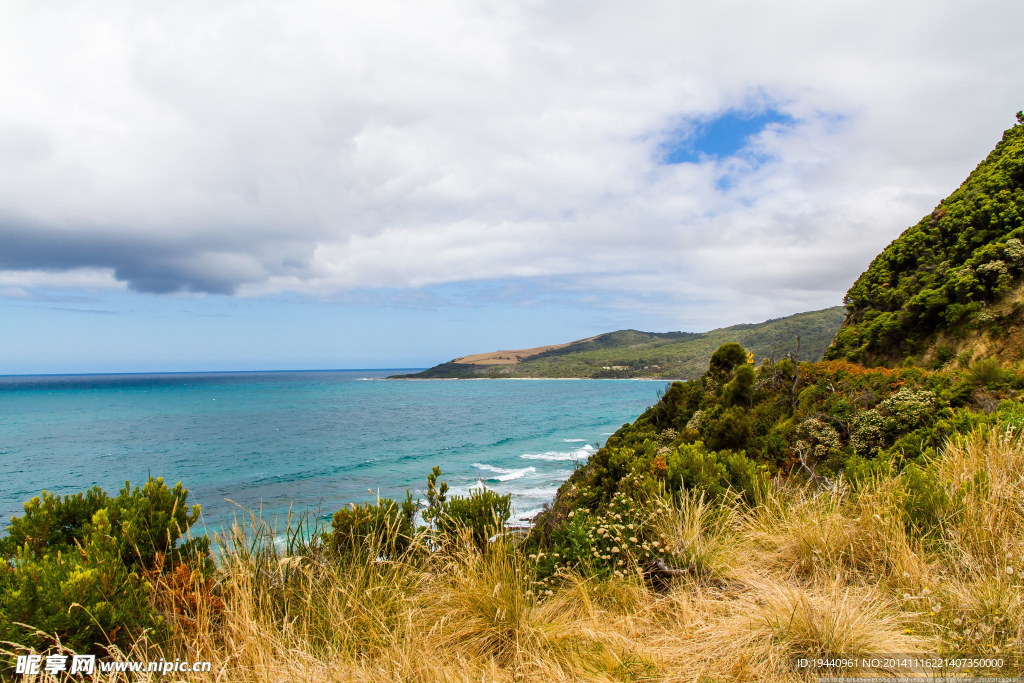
(951, 284)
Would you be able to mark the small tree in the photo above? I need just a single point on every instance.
(727, 357)
(740, 389)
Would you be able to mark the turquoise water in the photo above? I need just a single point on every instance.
(306, 440)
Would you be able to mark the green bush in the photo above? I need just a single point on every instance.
(78, 569)
(483, 512)
(386, 527)
(86, 598)
(923, 500)
(732, 429)
(862, 473)
(740, 389)
(987, 373)
(693, 467)
(149, 522)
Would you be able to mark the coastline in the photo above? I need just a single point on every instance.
(542, 379)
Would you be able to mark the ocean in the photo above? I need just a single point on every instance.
(309, 442)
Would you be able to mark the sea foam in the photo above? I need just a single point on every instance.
(578, 454)
(502, 473)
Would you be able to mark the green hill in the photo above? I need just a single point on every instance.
(672, 355)
(952, 284)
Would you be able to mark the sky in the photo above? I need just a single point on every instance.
(267, 185)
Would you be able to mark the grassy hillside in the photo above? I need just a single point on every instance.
(672, 355)
(952, 283)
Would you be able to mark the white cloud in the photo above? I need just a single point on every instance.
(320, 147)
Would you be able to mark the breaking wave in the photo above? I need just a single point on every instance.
(578, 454)
(501, 474)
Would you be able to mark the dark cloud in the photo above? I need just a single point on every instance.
(145, 265)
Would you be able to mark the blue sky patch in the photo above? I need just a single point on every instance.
(720, 137)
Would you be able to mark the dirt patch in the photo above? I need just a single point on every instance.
(514, 356)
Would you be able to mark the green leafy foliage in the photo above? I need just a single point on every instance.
(78, 569)
(53, 523)
(620, 539)
(692, 467)
(924, 501)
(725, 359)
(483, 512)
(385, 526)
(945, 274)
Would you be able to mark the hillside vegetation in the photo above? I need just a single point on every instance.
(670, 355)
(952, 283)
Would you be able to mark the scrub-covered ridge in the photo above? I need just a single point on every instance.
(952, 284)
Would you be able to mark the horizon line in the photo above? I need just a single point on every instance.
(198, 372)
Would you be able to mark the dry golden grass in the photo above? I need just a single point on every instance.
(804, 573)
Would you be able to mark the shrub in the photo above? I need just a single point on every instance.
(78, 567)
(987, 373)
(740, 389)
(820, 439)
(148, 523)
(909, 408)
(731, 430)
(85, 599)
(923, 499)
(483, 512)
(52, 523)
(694, 468)
(619, 540)
(862, 473)
(385, 526)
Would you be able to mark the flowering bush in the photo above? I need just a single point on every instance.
(620, 540)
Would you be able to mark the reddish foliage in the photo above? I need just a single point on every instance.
(186, 596)
(659, 466)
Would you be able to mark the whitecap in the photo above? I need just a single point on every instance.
(504, 474)
(538, 494)
(573, 440)
(578, 454)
